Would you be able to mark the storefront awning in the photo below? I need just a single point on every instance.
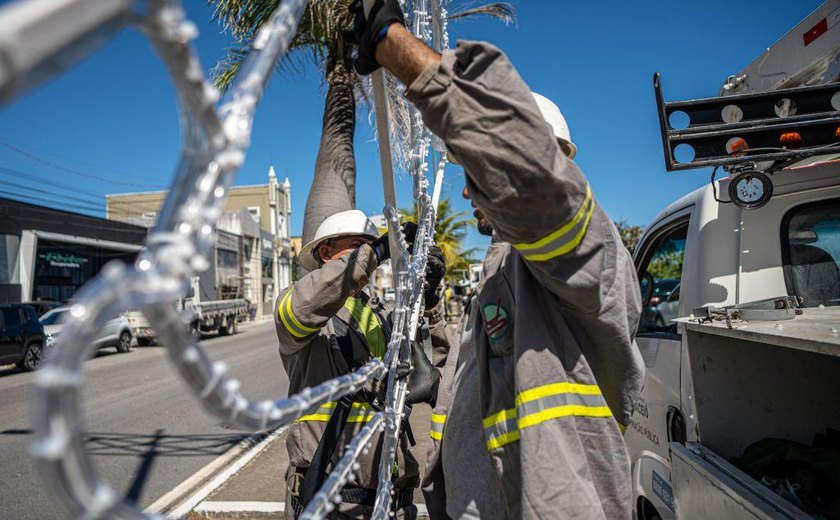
(86, 241)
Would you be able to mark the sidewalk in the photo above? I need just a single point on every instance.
(257, 490)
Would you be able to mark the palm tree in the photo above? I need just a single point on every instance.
(450, 231)
(318, 40)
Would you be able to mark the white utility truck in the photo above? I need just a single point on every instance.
(740, 333)
(199, 316)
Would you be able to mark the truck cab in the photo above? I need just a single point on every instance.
(722, 379)
(722, 255)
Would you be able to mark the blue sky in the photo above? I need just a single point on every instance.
(110, 125)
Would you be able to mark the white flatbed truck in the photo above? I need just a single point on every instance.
(755, 352)
(200, 317)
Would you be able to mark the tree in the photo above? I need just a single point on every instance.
(319, 40)
(450, 231)
(630, 235)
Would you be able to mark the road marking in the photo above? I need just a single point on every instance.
(243, 452)
(210, 506)
(222, 507)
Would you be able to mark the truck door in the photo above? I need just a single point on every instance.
(659, 261)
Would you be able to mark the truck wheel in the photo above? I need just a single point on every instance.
(195, 332)
(143, 342)
(32, 357)
(124, 344)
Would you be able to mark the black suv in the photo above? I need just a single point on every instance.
(21, 336)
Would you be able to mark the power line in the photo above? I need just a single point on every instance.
(45, 192)
(65, 157)
(69, 170)
(96, 197)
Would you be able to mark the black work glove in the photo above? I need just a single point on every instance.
(435, 271)
(370, 24)
(424, 379)
(383, 250)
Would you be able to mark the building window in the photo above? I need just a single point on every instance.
(267, 267)
(227, 259)
(255, 212)
(62, 268)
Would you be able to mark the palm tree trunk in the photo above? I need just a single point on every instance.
(334, 183)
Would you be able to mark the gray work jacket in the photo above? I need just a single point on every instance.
(311, 355)
(530, 410)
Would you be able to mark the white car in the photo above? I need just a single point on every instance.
(116, 333)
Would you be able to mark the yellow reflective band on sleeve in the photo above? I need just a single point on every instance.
(436, 429)
(369, 324)
(556, 388)
(564, 239)
(540, 404)
(359, 413)
(295, 327)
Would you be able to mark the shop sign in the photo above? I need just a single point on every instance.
(65, 260)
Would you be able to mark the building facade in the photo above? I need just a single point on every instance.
(47, 254)
(258, 215)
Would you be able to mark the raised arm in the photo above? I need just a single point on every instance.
(306, 306)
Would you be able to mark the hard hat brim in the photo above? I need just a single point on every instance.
(307, 260)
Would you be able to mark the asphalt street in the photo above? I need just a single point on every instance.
(145, 431)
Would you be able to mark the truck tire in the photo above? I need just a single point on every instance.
(32, 357)
(233, 328)
(195, 332)
(124, 343)
(143, 342)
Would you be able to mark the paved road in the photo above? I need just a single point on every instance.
(146, 433)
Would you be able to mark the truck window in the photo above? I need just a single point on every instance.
(811, 252)
(664, 268)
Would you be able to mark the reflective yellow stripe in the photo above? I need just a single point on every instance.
(554, 235)
(436, 427)
(369, 324)
(499, 417)
(498, 442)
(545, 245)
(359, 412)
(564, 411)
(554, 389)
(295, 327)
(540, 404)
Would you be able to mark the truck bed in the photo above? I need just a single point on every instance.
(816, 330)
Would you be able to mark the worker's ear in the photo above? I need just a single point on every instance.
(325, 253)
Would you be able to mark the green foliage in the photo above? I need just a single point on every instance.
(450, 231)
(630, 235)
(667, 264)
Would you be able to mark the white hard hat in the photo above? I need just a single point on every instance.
(553, 117)
(346, 223)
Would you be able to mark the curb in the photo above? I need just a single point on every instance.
(179, 502)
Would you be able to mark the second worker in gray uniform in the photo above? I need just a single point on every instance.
(535, 396)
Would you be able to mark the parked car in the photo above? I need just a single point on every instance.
(663, 305)
(116, 333)
(21, 336)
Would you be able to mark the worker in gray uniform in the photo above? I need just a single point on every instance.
(327, 327)
(535, 396)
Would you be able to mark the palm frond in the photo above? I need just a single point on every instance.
(317, 40)
(502, 11)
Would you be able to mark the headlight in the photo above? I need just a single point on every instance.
(50, 340)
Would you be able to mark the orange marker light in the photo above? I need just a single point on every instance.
(790, 140)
